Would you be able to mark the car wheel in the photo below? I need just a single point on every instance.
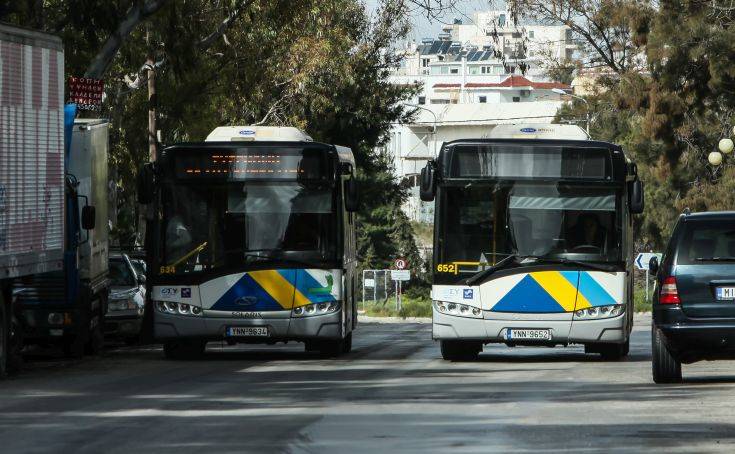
(184, 349)
(665, 368)
(460, 350)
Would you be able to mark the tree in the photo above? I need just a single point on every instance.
(321, 65)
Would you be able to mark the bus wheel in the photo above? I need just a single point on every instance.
(460, 350)
(189, 349)
(332, 348)
(614, 352)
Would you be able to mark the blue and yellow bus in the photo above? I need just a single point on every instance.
(251, 239)
(533, 241)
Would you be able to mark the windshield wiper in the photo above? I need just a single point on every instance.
(715, 259)
(482, 275)
(593, 266)
(276, 259)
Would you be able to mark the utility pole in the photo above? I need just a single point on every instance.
(152, 105)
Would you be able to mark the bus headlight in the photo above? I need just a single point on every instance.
(170, 307)
(598, 312)
(458, 309)
(315, 309)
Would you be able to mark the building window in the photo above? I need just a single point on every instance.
(422, 99)
(425, 62)
(501, 20)
(516, 99)
(530, 34)
(483, 99)
(454, 70)
(439, 101)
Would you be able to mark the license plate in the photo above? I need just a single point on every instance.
(726, 293)
(249, 331)
(528, 334)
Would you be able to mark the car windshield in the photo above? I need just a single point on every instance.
(120, 274)
(482, 223)
(211, 225)
(706, 241)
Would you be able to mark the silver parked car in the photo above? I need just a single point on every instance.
(126, 302)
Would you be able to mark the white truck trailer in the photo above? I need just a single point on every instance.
(53, 192)
(31, 164)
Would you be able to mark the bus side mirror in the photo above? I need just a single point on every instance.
(352, 196)
(89, 215)
(427, 189)
(146, 184)
(653, 265)
(635, 194)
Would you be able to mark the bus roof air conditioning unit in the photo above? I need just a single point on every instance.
(258, 134)
(538, 131)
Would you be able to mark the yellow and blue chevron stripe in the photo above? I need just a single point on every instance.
(553, 292)
(275, 290)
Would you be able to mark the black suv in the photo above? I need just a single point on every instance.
(694, 299)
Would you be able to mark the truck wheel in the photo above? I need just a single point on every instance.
(73, 347)
(665, 368)
(460, 350)
(4, 335)
(189, 349)
(96, 341)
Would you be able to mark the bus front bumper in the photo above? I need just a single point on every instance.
(281, 327)
(564, 330)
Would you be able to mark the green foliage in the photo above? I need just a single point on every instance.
(410, 307)
(320, 65)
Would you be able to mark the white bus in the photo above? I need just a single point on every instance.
(533, 241)
(252, 240)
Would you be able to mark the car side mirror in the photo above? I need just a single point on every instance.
(352, 195)
(141, 279)
(89, 215)
(146, 184)
(427, 184)
(635, 194)
(653, 265)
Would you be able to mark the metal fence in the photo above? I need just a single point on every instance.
(377, 286)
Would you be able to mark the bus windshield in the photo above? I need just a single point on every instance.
(211, 224)
(481, 223)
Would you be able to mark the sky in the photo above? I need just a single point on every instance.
(425, 28)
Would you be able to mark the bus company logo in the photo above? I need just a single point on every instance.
(246, 132)
(186, 292)
(468, 294)
(528, 130)
(169, 291)
(246, 301)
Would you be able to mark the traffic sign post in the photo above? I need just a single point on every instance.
(399, 275)
(642, 262)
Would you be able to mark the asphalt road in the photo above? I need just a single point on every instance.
(392, 393)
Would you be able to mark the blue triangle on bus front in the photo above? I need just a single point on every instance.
(528, 296)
